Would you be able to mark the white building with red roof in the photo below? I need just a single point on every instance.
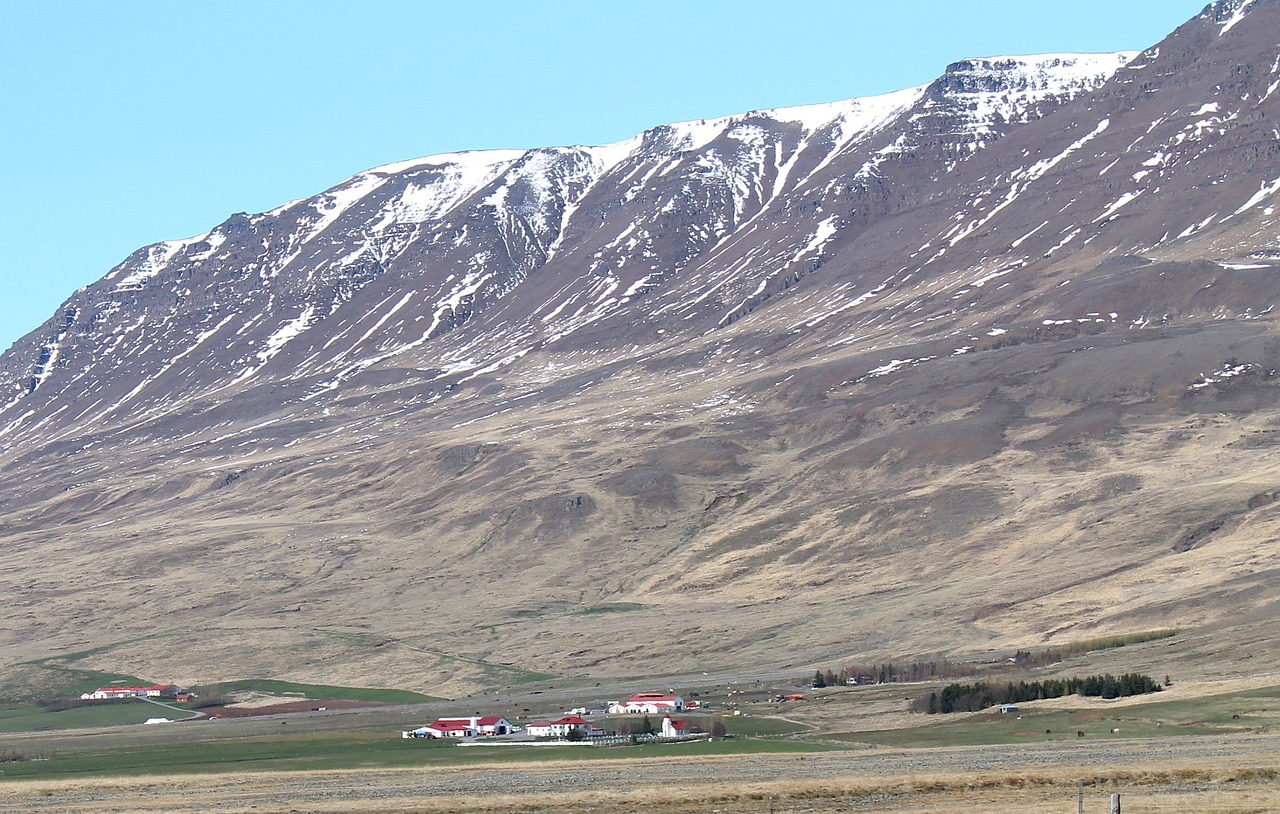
(563, 728)
(117, 693)
(450, 728)
(493, 725)
(674, 729)
(648, 703)
(472, 727)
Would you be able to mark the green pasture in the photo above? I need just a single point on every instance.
(342, 751)
(27, 716)
(288, 690)
(15, 718)
(220, 746)
(760, 727)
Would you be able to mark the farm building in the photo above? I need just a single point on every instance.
(445, 728)
(674, 729)
(563, 727)
(117, 693)
(648, 703)
(493, 725)
(462, 727)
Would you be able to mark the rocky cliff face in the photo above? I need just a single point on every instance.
(979, 364)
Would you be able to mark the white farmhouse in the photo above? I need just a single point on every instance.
(563, 727)
(674, 729)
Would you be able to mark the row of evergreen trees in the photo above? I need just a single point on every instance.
(980, 695)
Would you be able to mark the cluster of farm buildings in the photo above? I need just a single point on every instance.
(171, 691)
(571, 726)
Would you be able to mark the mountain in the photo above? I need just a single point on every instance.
(984, 364)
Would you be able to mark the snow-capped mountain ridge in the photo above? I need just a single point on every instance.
(496, 217)
(1004, 90)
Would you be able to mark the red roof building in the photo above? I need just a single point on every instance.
(674, 729)
(450, 728)
(493, 725)
(648, 703)
(462, 727)
(115, 693)
(563, 727)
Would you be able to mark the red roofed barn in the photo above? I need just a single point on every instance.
(648, 703)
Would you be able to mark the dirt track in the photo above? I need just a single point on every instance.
(1214, 774)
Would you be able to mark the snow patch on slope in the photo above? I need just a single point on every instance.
(276, 342)
(1241, 8)
(157, 257)
(461, 175)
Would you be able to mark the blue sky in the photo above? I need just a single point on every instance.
(131, 122)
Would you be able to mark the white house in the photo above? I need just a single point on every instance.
(648, 703)
(563, 727)
(674, 729)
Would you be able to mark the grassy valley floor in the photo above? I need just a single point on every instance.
(1217, 775)
(1206, 746)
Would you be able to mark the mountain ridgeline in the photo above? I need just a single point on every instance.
(989, 363)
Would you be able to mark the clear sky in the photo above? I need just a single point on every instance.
(129, 122)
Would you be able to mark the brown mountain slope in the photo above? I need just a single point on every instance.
(895, 380)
